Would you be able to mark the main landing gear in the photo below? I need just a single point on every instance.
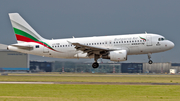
(96, 64)
(149, 57)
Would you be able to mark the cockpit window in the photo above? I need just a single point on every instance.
(161, 39)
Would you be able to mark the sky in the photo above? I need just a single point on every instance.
(83, 18)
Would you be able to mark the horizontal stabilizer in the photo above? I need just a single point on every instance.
(3, 47)
(22, 46)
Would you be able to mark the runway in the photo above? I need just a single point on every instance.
(93, 83)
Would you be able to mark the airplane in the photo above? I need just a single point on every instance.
(115, 47)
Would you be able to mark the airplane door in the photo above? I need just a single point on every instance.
(148, 40)
(45, 50)
(108, 44)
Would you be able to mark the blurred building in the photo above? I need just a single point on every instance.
(132, 68)
(115, 67)
(40, 66)
(13, 61)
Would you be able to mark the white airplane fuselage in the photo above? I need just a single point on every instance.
(132, 43)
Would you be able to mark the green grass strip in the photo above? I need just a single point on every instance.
(55, 92)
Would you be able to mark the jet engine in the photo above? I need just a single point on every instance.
(119, 55)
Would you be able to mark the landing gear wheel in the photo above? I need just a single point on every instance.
(150, 62)
(95, 65)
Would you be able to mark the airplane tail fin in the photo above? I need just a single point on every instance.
(23, 31)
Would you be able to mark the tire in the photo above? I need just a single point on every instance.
(150, 62)
(95, 65)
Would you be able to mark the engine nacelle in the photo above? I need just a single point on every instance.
(119, 55)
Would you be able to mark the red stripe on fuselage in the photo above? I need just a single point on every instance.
(26, 39)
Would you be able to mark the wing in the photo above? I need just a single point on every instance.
(90, 50)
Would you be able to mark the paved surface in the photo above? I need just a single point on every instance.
(26, 82)
(96, 83)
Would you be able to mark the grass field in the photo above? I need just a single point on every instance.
(54, 92)
(87, 92)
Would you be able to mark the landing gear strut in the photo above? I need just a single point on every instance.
(96, 64)
(149, 57)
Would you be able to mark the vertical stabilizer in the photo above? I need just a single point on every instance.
(23, 31)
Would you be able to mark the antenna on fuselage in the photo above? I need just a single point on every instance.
(145, 32)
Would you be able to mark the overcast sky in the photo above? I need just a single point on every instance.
(81, 18)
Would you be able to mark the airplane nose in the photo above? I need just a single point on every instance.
(171, 45)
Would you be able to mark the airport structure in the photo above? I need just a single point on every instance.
(164, 68)
(13, 61)
(40, 66)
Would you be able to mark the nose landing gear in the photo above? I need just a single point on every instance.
(150, 61)
(149, 57)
